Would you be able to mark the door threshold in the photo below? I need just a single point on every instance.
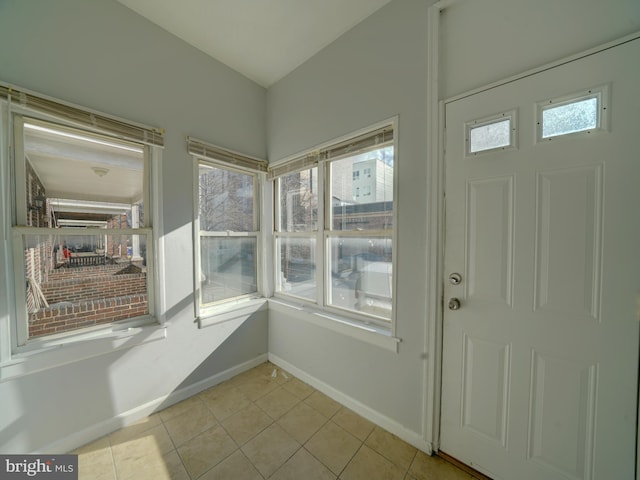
(462, 466)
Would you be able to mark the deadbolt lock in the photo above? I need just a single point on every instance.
(455, 279)
(454, 304)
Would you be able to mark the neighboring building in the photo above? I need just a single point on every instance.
(372, 180)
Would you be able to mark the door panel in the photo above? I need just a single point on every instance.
(490, 239)
(486, 388)
(568, 230)
(561, 417)
(540, 362)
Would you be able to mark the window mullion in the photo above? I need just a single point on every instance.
(146, 195)
(20, 286)
(321, 245)
(20, 186)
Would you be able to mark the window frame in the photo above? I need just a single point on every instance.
(16, 116)
(218, 157)
(323, 234)
(312, 234)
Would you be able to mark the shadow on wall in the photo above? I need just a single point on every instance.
(232, 352)
(57, 408)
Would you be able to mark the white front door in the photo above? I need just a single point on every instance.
(540, 360)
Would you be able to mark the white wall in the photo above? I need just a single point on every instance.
(376, 70)
(486, 41)
(101, 55)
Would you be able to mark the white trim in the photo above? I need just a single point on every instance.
(155, 251)
(435, 222)
(6, 293)
(360, 408)
(233, 310)
(195, 239)
(82, 437)
(19, 168)
(266, 267)
(369, 333)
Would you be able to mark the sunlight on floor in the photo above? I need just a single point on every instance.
(255, 426)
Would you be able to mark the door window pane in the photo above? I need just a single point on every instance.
(569, 118)
(490, 136)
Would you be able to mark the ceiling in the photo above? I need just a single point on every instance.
(262, 39)
(85, 176)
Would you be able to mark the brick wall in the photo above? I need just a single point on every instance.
(83, 272)
(82, 288)
(57, 319)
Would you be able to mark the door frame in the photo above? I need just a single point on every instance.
(436, 214)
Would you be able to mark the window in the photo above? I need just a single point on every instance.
(334, 248)
(488, 134)
(573, 114)
(227, 226)
(82, 231)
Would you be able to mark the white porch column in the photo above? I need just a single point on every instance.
(135, 240)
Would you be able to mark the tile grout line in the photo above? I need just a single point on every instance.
(175, 447)
(255, 382)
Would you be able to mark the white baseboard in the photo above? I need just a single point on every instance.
(78, 439)
(360, 408)
(82, 437)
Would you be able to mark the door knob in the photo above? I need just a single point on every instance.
(454, 304)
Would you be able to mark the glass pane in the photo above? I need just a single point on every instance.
(570, 118)
(361, 275)
(80, 179)
(299, 201)
(490, 136)
(80, 281)
(226, 200)
(228, 267)
(362, 191)
(297, 267)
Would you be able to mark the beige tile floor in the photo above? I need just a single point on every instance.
(258, 426)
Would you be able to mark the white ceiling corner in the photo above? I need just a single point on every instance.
(262, 39)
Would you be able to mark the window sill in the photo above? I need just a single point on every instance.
(93, 344)
(368, 333)
(231, 311)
